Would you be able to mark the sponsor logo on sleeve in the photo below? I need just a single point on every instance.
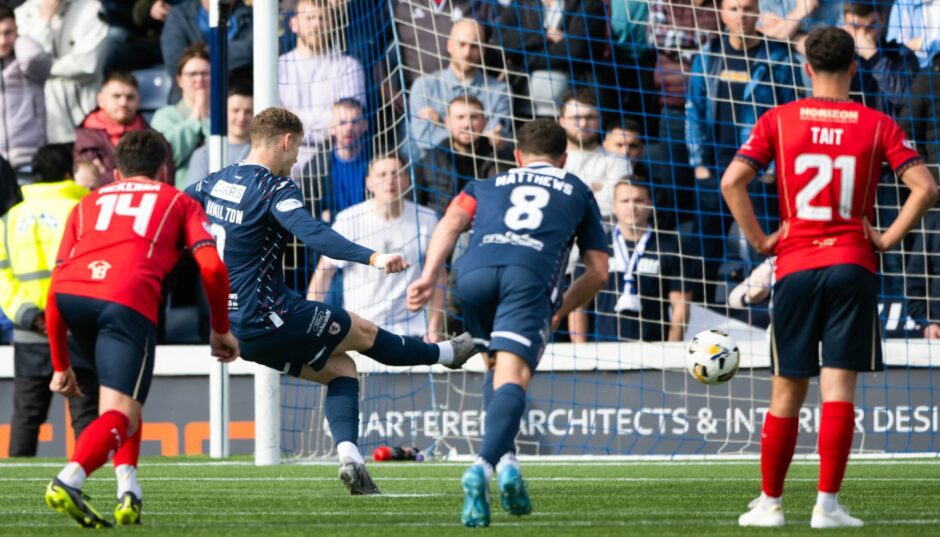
(288, 205)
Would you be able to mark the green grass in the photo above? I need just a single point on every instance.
(193, 497)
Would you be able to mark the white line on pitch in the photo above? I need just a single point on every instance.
(527, 462)
(443, 478)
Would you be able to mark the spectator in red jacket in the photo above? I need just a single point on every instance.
(116, 115)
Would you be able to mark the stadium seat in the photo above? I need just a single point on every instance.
(155, 86)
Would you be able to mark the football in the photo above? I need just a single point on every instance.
(713, 357)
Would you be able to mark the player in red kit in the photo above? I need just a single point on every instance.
(829, 153)
(119, 244)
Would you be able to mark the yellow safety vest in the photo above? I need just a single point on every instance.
(30, 233)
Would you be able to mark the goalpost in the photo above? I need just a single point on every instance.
(613, 398)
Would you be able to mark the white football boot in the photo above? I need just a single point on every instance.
(836, 518)
(763, 513)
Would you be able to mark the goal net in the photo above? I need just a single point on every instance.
(660, 91)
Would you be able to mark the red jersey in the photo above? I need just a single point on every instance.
(122, 240)
(829, 157)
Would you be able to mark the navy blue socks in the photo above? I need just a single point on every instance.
(341, 408)
(395, 350)
(502, 422)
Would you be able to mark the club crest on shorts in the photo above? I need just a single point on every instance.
(334, 328)
(99, 269)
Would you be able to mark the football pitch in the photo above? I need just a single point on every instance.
(196, 497)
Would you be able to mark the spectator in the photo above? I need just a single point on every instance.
(332, 178)
(884, 69)
(560, 36)
(913, 23)
(187, 24)
(645, 298)
(391, 222)
(74, 34)
(10, 193)
(134, 33)
(632, 86)
(678, 29)
(239, 114)
(734, 79)
(625, 139)
(923, 277)
(423, 29)
(27, 259)
(116, 115)
(24, 66)
(793, 20)
(587, 159)
(186, 123)
(882, 82)
(86, 174)
(920, 110)
(431, 94)
(466, 155)
(313, 76)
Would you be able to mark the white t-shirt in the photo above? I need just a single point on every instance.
(600, 171)
(369, 292)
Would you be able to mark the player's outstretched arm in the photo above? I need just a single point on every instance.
(922, 198)
(215, 280)
(586, 285)
(288, 209)
(456, 220)
(734, 188)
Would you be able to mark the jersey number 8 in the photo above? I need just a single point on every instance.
(527, 205)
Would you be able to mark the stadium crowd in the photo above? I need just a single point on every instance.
(655, 97)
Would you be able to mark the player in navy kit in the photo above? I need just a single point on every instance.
(523, 224)
(253, 208)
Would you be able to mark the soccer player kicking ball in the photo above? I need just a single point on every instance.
(254, 207)
(829, 152)
(119, 243)
(523, 224)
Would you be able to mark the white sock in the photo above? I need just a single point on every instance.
(487, 469)
(828, 501)
(769, 501)
(348, 450)
(447, 353)
(508, 460)
(73, 475)
(127, 481)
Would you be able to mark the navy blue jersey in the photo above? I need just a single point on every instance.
(252, 213)
(530, 217)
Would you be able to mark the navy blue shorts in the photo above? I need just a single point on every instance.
(309, 336)
(836, 306)
(506, 309)
(121, 340)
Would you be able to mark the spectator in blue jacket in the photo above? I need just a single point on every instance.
(885, 70)
(908, 25)
(734, 79)
(883, 82)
